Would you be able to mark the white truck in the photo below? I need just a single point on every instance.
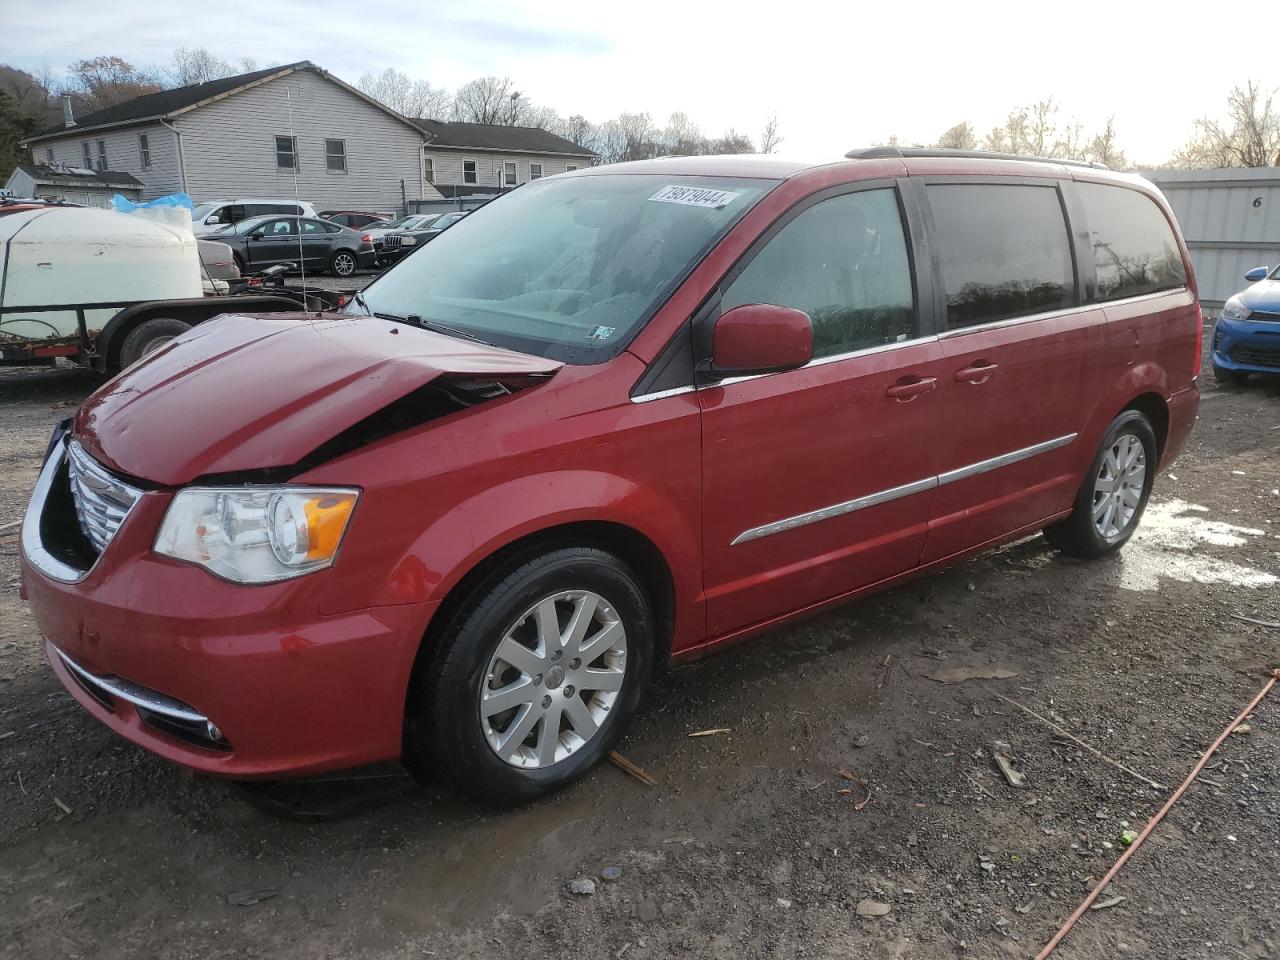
(102, 288)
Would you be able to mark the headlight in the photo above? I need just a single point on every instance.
(409, 241)
(1234, 310)
(257, 534)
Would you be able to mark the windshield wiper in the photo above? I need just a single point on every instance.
(446, 330)
(359, 298)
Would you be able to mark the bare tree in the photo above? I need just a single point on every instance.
(406, 96)
(105, 81)
(769, 138)
(959, 137)
(197, 65)
(1248, 137)
(1104, 149)
(493, 100)
(731, 141)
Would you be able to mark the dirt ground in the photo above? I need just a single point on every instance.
(749, 845)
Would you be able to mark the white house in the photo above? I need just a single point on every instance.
(267, 132)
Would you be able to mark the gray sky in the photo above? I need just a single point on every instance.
(837, 75)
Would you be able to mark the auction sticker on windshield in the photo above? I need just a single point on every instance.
(695, 196)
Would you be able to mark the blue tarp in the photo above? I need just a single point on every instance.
(125, 205)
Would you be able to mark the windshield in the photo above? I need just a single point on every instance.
(567, 269)
(402, 222)
(201, 210)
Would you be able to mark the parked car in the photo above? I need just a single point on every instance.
(412, 221)
(103, 288)
(403, 241)
(213, 215)
(614, 418)
(263, 241)
(1246, 336)
(355, 219)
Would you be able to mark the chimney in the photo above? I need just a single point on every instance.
(68, 118)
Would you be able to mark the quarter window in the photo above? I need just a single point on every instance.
(287, 153)
(144, 151)
(335, 156)
(468, 171)
(844, 262)
(1134, 250)
(1004, 250)
(509, 174)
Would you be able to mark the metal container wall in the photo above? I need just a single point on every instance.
(1231, 220)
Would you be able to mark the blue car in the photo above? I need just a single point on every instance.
(1246, 338)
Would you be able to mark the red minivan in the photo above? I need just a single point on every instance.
(615, 418)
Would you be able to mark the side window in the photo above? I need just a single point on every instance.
(1004, 251)
(844, 262)
(233, 214)
(1134, 250)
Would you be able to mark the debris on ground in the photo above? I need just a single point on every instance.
(1002, 754)
(961, 674)
(583, 886)
(712, 732)
(1128, 836)
(1243, 729)
(62, 806)
(622, 763)
(872, 908)
(866, 790)
(1262, 623)
(247, 898)
(611, 874)
(784, 903)
(1105, 904)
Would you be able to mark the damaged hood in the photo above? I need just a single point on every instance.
(252, 392)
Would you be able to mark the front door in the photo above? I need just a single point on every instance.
(276, 241)
(1017, 386)
(819, 480)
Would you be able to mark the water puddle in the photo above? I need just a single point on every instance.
(1167, 545)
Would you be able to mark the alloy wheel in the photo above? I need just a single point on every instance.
(344, 265)
(553, 679)
(1117, 489)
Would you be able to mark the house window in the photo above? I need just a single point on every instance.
(86, 153)
(48, 154)
(535, 171)
(335, 156)
(469, 171)
(102, 155)
(572, 166)
(287, 153)
(509, 174)
(428, 170)
(144, 151)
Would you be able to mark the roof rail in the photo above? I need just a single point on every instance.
(881, 153)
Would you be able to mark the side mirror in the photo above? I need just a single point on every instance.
(212, 220)
(759, 338)
(1257, 273)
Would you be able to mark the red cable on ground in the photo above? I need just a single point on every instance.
(1151, 824)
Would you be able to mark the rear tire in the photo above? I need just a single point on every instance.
(343, 263)
(1114, 493)
(459, 730)
(148, 337)
(1223, 375)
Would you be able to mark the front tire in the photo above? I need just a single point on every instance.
(1114, 493)
(535, 677)
(1223, 375)
(148, 337)
(343, 263)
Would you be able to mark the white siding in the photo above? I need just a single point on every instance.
(123, 154)
(230, 151)
(448, 165)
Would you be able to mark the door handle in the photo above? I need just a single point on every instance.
(979, 372)
(910, 388)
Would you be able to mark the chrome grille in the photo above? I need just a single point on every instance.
(102, 501)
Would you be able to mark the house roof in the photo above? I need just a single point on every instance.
(81, 177)
(484, 136)
(151, 106)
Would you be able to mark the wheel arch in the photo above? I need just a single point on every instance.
(1156, 409)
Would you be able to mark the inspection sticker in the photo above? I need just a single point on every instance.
(695, 196)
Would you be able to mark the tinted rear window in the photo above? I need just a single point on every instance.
(1004, 250)
(1134, 249)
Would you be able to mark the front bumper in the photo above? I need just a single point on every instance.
(158, 650)
(1246, 346)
